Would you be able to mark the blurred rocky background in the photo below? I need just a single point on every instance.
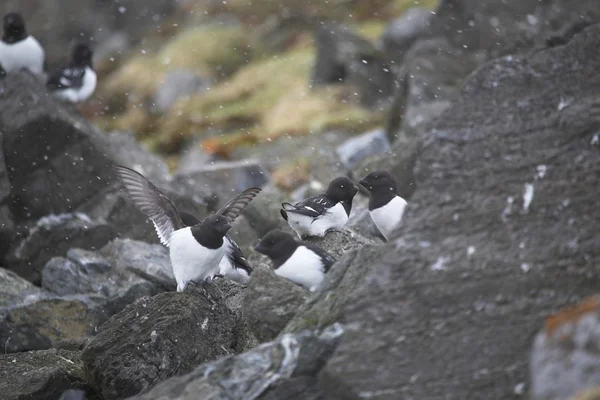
(486, 112)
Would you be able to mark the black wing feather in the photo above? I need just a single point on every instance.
(236, 256)
(152, 202)
(235, 206)
(313, 206)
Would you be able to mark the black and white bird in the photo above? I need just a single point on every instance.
(385, 206)
(18, 50)
(301, 263)
(76, 82)
(199, 250)
(319, 214)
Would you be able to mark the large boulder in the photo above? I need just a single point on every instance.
(283, 362)
(15, 290)
(500, 233)
(44, 374)
(160, 337)
(270, 301)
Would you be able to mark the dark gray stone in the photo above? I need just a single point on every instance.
(263, 212)
(300, 388)
(16, 290)
(149, 261)
(48, 321)
(8, 232)
(157, 338)
(225, 179)
(39, 375)
(73, 394)
(402, 32)
(500, 233)
(251, 374)
(89, 261)
(355, 149)
(338, 243)
(270, 302)
(52, 236)
(343, 56)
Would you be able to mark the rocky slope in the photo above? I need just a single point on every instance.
(497, 151)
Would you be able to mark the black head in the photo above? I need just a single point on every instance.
(82, 55)
(217, 223)
(341, 189)
(379, 181)
(277, 245)
(14, 28)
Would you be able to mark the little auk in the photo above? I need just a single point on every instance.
(301, 263)
(76, 82)
(196, 248)
(385, 206)
(319, 214)
(18, 50)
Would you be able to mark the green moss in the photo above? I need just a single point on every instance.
(399, 7)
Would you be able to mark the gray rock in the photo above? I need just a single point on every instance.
(263, 212)
(402, 32)
(15, 290)
(270, 302)
(52, 236)
(8, 231)
(498, 235)
(176, 84)
(354, 150)
(45, 323)
(225, 179)
(564, 359)
(361, 223)
(149, 261)
(89, 261)
(251, 374)
(41, 374)
(73, 394)
(338, 243)
(159, 337)
(343, 56)
(300, 388)
(63, 276)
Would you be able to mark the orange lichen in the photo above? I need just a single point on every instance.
(571, 314)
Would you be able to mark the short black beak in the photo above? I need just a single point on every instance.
(363, 182)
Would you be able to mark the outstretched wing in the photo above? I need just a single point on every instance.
(235, 206)
(312, 207)
(236, 256)
(327, 258)
(152, 202)
(66, 78)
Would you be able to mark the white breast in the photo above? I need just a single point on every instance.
(304, 267)
(78, 95)
(334, 219)
(192, 261)
(27, 53)
(388, 217)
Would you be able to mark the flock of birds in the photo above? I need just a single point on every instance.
(201, 249)
(74, 83)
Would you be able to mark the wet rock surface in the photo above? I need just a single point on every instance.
(497, 239)
(42, 374)
(251, 374)
(139, 347)
(270, 301)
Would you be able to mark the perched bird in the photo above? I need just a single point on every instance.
(19, 50)
(385, 206)
(319, 214)
(301, 263)
(77, 82)
(197, 248)
(233, 265)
